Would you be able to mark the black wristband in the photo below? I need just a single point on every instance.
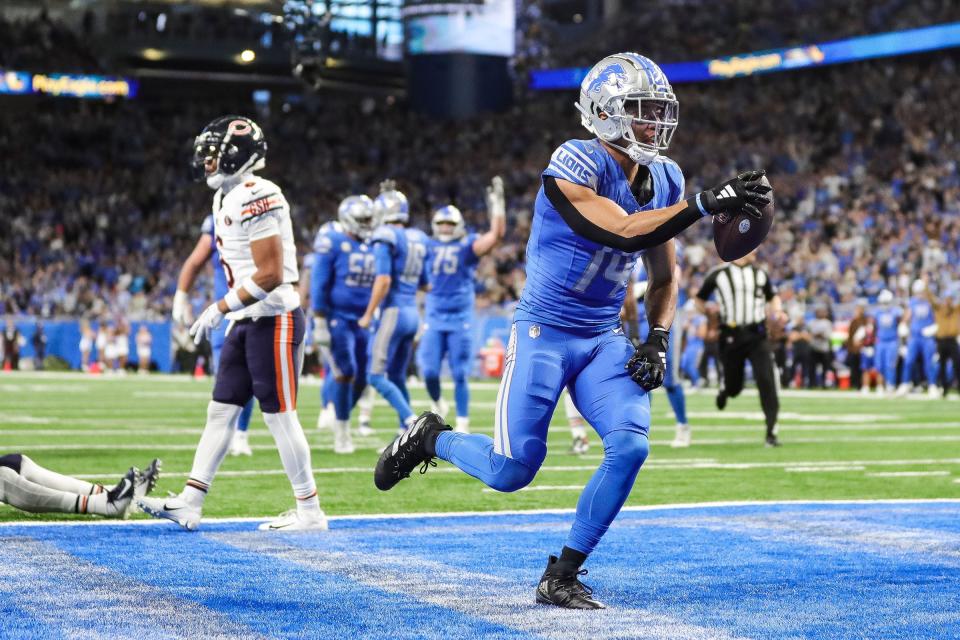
(659, 336)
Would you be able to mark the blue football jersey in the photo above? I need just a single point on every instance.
(571, 281)
(220, 286)
(342, 274)
(401, 253)
(450, 271)
(886, 321)
(921, 315)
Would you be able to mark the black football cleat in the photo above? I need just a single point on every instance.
(120, 498)
(408, 450)
(148, 479)
(562, 588)
(772, 441)
(721, 401)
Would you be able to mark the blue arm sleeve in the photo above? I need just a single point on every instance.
(320, 283)
(469, 257)
(384, 258)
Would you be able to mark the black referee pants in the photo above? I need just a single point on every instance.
(949, 351)
(736, 347)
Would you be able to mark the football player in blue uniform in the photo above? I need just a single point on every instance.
(206, 249)
(920, 343)
(400, 254)
(343, 273)
(452, 257)
(886, 319)
(601, 202)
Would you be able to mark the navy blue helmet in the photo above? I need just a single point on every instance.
(236, 142)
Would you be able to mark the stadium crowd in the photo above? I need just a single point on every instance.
(863, 158)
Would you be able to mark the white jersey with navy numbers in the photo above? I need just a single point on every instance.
(253, 210)
(571, 281)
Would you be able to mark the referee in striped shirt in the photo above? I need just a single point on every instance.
(744, 292)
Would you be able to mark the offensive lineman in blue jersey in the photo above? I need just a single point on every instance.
(343, 272)
(920, 343)
(566, 333)
(886, 319)
(205, 249)
(452, 257)
(400, 255)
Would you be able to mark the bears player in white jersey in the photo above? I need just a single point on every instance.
(262, 353)
(601, 202)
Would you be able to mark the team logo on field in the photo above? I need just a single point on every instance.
(744, 226)
(534, 331)
(227, 221)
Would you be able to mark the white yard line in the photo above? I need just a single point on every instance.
(667, 465)
(160, 447)
(834, 469)
(907, 474)
(678, 506)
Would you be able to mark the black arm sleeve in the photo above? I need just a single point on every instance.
(584, 227)
(709, 284)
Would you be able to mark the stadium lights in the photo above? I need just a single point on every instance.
(247, 56)
(154, 54)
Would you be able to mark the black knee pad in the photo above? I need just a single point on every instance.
(12, 461)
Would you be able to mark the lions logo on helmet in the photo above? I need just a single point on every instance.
(447, 224)
(238, 145)
(391, 205)
(626, 89)
(356, 215)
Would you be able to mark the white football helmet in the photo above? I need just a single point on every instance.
(442, 219)
(624, 89)
(885, 298)
(391, 205)
(357, 217)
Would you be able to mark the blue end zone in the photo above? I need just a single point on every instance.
(825, 570)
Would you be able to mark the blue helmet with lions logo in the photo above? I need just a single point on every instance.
(238, 145)
(626, 89)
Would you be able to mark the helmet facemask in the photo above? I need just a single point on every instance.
(659, 112)
(215, 142)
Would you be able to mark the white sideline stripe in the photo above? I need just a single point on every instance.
(499, 601)
(543, 487)
(677, 506)
(788, 416)
(823, 469)
(78, 598)
(907, 474)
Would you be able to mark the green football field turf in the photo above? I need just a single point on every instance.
(836, 446)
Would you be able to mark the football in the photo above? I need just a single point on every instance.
(735, 236)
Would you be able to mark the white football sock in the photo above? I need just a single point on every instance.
(212, 449)
(295, 456)
(33, 472)
(578, 432)
(463, 424)
(365, 404)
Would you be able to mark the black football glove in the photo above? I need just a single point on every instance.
(649, 363)
(744, 193)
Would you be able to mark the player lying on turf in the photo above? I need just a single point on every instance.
(583, 246)
(262, 354)
(29, 487)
